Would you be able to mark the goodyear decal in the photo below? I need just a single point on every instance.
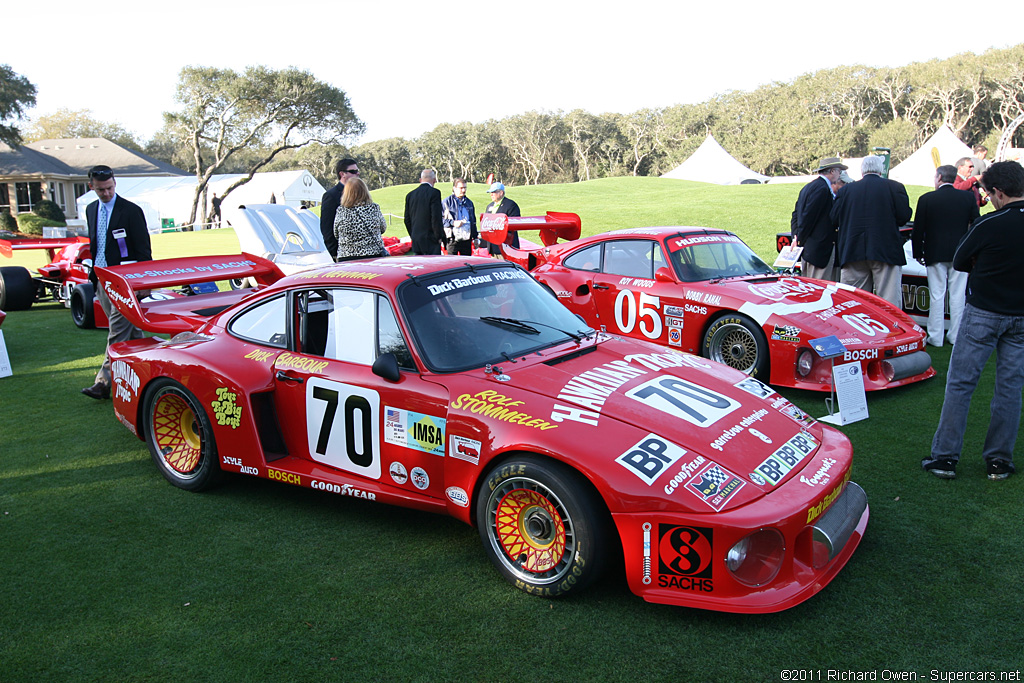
(287, 361)
(414, 430)
(826, 502)
(788, 456)
(499, 407)
(225, 409)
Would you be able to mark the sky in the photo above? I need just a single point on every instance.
(409, 66)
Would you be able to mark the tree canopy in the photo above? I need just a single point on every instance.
(16, 95)
(259, 112)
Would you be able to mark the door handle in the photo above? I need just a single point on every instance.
(598, 286)
(285, 377)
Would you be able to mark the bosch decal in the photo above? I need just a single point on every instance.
(861, 354)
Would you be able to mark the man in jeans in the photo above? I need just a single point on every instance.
(993, 255)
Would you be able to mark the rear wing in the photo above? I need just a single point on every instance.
(494, 227)
(122, 284)
(50, 244)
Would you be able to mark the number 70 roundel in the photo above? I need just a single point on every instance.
(341, 426)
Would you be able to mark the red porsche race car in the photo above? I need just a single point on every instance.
(461, 386)
(704, 291)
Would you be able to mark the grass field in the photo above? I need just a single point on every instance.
(111, 574)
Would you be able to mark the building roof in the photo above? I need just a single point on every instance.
(75, 156)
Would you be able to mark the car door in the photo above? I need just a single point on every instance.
(626, 293)
(336, 411)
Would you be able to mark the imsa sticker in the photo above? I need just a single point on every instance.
(789, 455)
(414, 430)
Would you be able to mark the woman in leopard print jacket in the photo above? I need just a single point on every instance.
(359, 224)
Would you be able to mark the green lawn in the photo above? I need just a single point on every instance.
(111, 574)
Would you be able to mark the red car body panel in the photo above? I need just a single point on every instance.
(791, 311)
(618, 411)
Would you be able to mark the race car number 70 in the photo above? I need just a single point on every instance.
(686, 400)
(347, 438)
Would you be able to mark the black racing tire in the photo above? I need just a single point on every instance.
(82, 310)
(17, 289)
(543, 526)
(738, 342)
(180, 436)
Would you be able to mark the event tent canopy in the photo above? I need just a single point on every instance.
(919, 167)
(170, 198)
(710, 163)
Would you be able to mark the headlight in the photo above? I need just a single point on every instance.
(756, 559)
(804, 362)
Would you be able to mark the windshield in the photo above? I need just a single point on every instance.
(714, 255)
(468, 318)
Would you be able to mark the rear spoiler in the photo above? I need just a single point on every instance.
(494, 227)
(51, 244)
(122, 283)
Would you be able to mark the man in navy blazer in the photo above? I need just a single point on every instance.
(117, 234)
(869, 247)
(423, 216)
(940, 222)
(812, 225)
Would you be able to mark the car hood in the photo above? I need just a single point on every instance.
(607, 399)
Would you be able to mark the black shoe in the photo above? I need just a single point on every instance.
(943, 468)
(98, 391)
(999, 469)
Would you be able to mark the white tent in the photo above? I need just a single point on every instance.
(919, 167)
(170, 198)
(712, 164)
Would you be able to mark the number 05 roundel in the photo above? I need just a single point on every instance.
(341, 426)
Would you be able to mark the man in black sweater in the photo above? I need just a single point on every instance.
(993, 320)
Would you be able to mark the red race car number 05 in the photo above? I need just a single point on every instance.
(341, 426)
(626, 313)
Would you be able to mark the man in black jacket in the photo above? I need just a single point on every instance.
(117, 234)
(869, 248)
(940, 222)
(423, 216)
(993, 255)
(329, 203)
(812, 225)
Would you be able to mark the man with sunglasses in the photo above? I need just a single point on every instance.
(117, 234)
(329, 203)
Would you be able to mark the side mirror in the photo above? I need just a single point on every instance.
(386, 367)
(663, 274)
(87, 263)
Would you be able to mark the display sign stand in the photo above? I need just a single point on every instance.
(847, 384)
(5, 360)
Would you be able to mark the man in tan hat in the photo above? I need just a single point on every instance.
(812, 226)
